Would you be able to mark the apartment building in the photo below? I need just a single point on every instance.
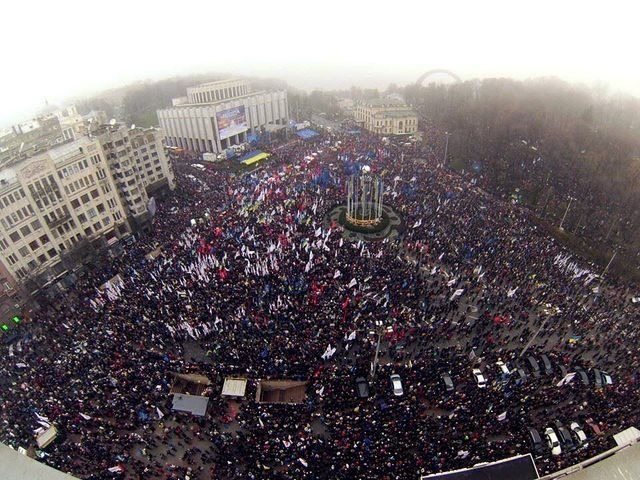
(139, 166)
(54, 203)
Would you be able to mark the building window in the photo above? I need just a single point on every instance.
(24, 251)
(75, 203)
(25, 230)
(34, 245)
(15, 236)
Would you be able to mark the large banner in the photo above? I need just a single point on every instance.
(231, 121)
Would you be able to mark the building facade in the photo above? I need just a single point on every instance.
(387, 116)
(139, 166)
(213, 116)
(54, 203)
(61, 205)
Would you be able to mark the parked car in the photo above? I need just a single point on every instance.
(552, 441)
(583, 375)
(533, 366)
(448, 383)
(546, 364)
(602, 379)
(564, 436)
(362, 386)
(535, 440)
(520, 375)
(578, 434)
(503, 371)
(562, 370)
(480, 380)
(396, 385)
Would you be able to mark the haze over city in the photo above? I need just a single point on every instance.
(60, 51)
(319, 240)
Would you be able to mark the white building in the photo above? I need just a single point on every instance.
(139, 166)
(72, 199)
(387, 116)
(53, 201)
(213, 116)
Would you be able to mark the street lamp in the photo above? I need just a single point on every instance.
(571, 199)
(446, 148)
(381, 330)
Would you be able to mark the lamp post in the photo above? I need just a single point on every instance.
(374, 365)
(565, 213)
(446, 148)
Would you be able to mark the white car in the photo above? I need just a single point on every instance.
(578, 434)
(552, 441)
(480, 380)
(396, 384)
(503, 368)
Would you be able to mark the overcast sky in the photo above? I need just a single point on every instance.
(59, 49)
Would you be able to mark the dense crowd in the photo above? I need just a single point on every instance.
(252, 275)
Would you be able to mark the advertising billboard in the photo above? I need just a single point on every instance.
(231, 122)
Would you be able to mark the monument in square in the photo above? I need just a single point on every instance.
(364, 215)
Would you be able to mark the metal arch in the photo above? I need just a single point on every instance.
(438, 70)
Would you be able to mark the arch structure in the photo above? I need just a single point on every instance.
(425, 75)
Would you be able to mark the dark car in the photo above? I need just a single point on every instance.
(546, 364)
(363, 387)
(564, 436)
(448, 383)
(562, 370)
(602, 379)
(535, 440)
(520, 376)
(533, 366)
(583, 375)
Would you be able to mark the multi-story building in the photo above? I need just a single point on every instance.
(387, 116)
(71, 122)
(53, 204)
(60, 204)
(139, 167)
(213, 116)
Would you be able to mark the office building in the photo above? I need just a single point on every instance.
(213, 116)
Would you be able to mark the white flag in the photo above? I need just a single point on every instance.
(502, 416)
(352, 283)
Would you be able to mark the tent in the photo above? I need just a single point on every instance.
(234, 387)
(47, 437)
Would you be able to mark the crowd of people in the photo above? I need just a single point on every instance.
(251, 279)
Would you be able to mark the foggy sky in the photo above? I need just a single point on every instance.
(55, 50)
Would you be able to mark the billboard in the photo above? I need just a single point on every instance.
(231, 121)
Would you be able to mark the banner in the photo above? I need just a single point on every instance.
(231, 122)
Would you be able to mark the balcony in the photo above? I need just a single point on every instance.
(58, 221)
